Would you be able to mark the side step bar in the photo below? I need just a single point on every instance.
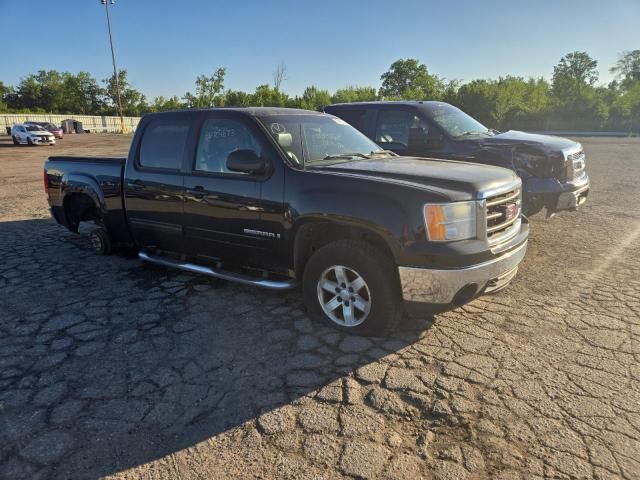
(212, 272)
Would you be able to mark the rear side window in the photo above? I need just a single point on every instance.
(163, 144)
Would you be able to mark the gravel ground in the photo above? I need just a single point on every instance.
(109, 367)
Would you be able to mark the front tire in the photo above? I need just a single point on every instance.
(100, 241)
(353, 287)
(29, 142)
(15, 140)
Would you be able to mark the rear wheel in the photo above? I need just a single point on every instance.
(15, 140)
(354, 287)
(100, 241)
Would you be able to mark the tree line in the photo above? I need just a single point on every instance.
(572, 100)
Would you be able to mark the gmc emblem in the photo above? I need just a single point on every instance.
(511, 211)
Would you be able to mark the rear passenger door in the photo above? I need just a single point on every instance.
(154, 186)
(223, 208)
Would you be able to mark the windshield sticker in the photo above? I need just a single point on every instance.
(277, 128)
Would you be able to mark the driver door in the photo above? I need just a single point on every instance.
(222, 210)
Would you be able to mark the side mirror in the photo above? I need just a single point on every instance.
(246, 161)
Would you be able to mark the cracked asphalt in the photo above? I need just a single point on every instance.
(114, 368)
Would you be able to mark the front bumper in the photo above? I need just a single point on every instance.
(576, 195)
(554, 195)
(43, 140)
(457, 286)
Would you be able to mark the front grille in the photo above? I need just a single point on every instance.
(503, 215)
(575, 165)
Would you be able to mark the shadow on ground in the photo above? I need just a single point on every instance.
(107, 363)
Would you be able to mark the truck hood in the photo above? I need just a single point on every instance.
(453, 180)
(545, 143)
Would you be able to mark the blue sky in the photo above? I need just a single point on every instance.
(165, 44)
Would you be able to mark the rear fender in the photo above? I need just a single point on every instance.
(79, 183)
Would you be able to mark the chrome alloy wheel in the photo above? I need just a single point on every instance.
(344, 296)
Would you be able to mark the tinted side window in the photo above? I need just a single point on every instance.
(354, 116)
(218, 138)
(395, 127)
(163, 144)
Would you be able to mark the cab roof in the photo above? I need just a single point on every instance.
(250, 111)
(388, 102)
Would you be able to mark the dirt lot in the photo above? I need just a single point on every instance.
(109, 367)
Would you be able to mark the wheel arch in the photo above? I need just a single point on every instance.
(314, 233)
(82, 200)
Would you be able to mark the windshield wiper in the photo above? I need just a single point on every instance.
(464, 134)
(384, 152)
(345, 155)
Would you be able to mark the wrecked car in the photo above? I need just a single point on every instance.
(552, 169)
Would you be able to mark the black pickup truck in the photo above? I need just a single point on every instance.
(272, 197)
(552, 168)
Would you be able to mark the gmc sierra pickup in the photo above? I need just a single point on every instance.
(271, 197)
(552, 169)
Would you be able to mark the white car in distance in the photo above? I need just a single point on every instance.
(31, 135)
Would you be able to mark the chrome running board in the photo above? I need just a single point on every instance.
(221, 274)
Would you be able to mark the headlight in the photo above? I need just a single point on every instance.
(450, 221)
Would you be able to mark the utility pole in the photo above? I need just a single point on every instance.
(113, 59)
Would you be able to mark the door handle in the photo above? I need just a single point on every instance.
(136, 184)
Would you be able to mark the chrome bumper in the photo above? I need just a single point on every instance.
(442, 286)
(576, 197)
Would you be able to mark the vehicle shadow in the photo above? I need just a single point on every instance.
(108, 363)
(5, 141)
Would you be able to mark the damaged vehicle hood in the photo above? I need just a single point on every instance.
(544, 143)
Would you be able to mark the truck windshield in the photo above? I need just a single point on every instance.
(455, 122)
(35, 128)
(318, 139)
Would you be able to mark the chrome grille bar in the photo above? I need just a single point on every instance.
(502, 225)
(501, 221)
(500, 200)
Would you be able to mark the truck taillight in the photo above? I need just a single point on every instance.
(46, 182)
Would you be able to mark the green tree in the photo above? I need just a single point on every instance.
(509, 102)
(41, 91)
(81, 94)
(625, 108)
(627, 68)
(410, 79)
(314, 98)
(577, 103)
(237, 98)
(209, 90)
(5, 94)
(134, 103)
(575, 72)
(162, 104)
(354, 94)
(267, 96)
